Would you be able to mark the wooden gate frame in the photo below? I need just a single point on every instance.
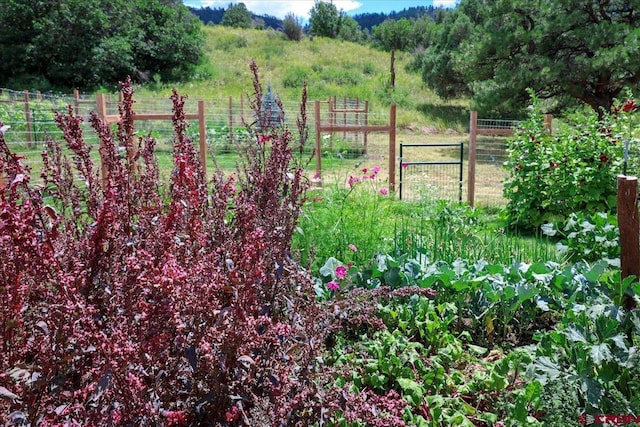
(332, 127)
(101, 107)
(474, 131)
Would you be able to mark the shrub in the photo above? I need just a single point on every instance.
(340, 77)
(588, 238)
(230, 42)
(551, 176)
(292, 27)
(127, 304)
(295, 77)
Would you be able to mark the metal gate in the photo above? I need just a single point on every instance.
(431, 170)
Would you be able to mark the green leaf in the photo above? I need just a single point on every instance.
(593, 275)
(545, 369)
(329, 267)
(392, 277)
(575, 335)
(593, 390)
(412, 390)
(600, 353)
(477, 350)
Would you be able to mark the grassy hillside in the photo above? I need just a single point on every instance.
(330, 68)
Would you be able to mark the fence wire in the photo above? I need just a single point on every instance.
(31, 120)
(491, 154)
(497, 124)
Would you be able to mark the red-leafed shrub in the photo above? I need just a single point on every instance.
(125, 303)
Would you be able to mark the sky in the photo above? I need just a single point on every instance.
(301, 8)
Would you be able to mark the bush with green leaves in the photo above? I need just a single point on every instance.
(552, 176)
(92, 43)
(588, 237)
(594, 348)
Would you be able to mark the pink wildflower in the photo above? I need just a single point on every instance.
(384, 191)
(262, 139)
(353, 180)
(376, 170)
(333, 285)
(405, 165)
(341, 272)
(353, 247)
(316, 178)
(364, 170)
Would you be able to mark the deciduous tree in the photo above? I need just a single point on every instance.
(325, 20)
(89, 43)
(237, 16)
(391, 36)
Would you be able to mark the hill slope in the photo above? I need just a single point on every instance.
(330, 67)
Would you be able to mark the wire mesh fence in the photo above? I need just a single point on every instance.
(431, 171)
(497, 125)
(343, 151)
(31, 120)
(491, 154)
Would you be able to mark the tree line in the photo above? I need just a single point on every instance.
(495, 53)
(498, 54)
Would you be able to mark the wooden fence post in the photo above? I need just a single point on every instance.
(366, 123)
(203, 136)
(628, 226)
(316, 108)
(471, 175)
(548, 123)
(392, 148)
(76, 101)
(27, 116)
(357, 121)
(344, 116)
(101, 110)
(332, 119)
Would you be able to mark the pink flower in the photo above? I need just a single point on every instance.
(341, 272)
(384, 191)
(333, 285)
(353, 247)
(316, 177)
(376, 170)
(262, 139)
(405, 165)
(353, 180)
